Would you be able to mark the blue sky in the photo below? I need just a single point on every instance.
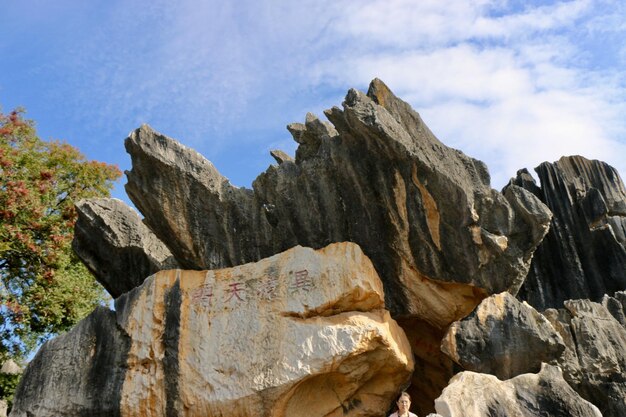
(513, 83)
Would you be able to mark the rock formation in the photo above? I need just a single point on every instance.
(584, 254)
(116, 246)
(503, 337)
(439, 236)
(302, 333)
(472, 394)
(595, 359)
(616, 305)
(266, 332)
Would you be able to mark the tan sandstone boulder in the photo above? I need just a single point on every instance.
(302, 333)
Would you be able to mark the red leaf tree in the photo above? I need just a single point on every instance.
(44, 288)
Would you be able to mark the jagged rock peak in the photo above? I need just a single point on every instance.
(114, 244)
(584, 254)
(439, 236)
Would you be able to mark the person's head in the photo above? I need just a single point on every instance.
(404, 403)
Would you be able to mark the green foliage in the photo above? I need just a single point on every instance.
(8, 384)
(44, 288)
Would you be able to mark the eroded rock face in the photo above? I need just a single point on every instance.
(76, 374)
(503, 337)
(302, 333)
(584, 254)
(472, 394)
(439, 236)
(616, 305)
(595, 359)
(116, 246)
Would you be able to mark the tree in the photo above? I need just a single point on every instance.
(44, 288)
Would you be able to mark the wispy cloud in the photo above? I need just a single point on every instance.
(513, 87)
(510, 82)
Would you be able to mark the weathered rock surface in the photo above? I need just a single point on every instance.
(303, 333)
(78, 373)
(584, 254)
(116, 246)
(594, 362)
(439, 236)
(503, 337)
(616, 305)
(472, 394)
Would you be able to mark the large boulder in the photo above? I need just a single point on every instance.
(503, 337)
(302, 333)
(439, 236)
(472, 394)
(584, 254)
(595, 360)
(114, 244)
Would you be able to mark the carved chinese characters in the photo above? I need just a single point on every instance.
(229, 338)
(221, 290)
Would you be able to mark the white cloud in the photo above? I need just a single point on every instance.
(513, 88)
(509, 82)
(432, 23)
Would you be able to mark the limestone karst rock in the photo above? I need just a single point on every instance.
(472, 394)
(302, 333)
(503, 337)
(439, 236)
(616, 305)
(584, 254)
(116, 246)
(78, 373)
(594, 362)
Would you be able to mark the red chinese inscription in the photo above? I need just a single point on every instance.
(235, 292)
(202, 295)
(302, 280)
(268, 287)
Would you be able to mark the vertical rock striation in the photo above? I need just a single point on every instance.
(584, 254)
(594, 362)
(77, 374)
